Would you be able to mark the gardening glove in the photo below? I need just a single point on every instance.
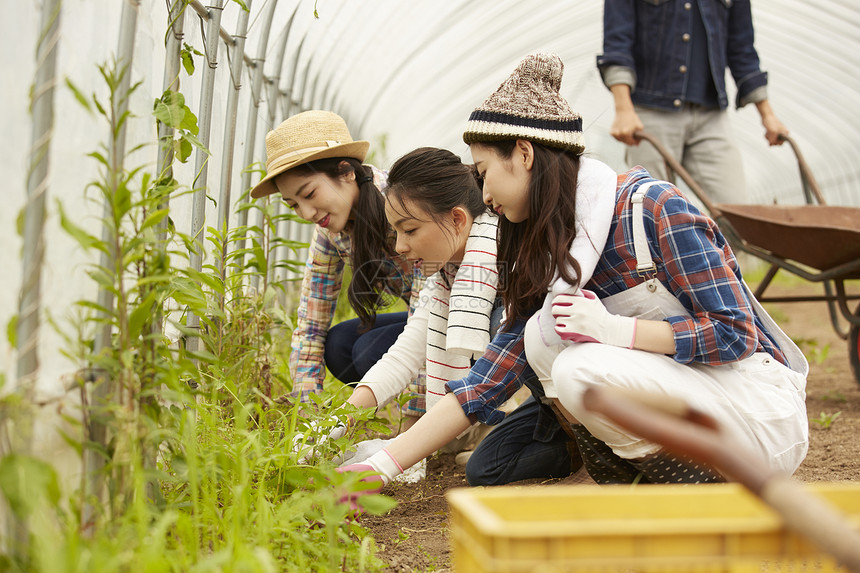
(368, 448)
(304, 445)
(386, 468)
(363, 450)
(583, 318)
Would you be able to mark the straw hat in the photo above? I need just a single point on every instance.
(528, 105)
(305, 137)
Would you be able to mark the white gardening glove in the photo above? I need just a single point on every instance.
(413, 474)
(382, 463)
(362, 451)
(582, 317)
(319, 433)
(368, 448)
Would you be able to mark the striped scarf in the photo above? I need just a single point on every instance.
(460, 303)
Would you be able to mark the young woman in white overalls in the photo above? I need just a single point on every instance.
(757, 398)
(653, 301)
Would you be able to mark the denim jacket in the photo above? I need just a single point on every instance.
(646, 44)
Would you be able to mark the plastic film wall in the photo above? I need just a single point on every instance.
(403, 74)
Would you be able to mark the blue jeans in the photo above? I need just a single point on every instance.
(349, 354)
(512, 453)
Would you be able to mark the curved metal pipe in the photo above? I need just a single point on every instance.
(204, 115)
(172, 65)
(30, 301)
(253, 112)
(236, 66)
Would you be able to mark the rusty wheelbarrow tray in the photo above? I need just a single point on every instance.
(816, 241)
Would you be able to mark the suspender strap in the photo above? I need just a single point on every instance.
(644, 264)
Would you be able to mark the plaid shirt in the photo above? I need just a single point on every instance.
(693, 261)
(321, 284)
(495, 376)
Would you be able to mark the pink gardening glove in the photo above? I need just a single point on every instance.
(352, 497)
(386, 468)
(583, 318)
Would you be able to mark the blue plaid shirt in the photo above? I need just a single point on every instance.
(496, 376)
(695, 263)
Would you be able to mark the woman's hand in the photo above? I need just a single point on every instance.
(583, 318)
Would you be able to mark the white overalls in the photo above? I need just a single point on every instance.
(759, 402)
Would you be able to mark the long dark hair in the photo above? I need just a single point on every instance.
(537, 251)
(372, 251)
(436, 181)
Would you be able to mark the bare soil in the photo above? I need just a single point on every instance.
(414, 535)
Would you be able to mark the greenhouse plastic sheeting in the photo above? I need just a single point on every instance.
(404, 74)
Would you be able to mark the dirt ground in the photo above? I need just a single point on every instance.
(414, 535)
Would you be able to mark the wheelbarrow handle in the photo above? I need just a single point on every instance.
(806, 177)
(676, 166)
(685, 431)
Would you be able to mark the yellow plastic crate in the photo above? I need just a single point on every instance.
(646, 528)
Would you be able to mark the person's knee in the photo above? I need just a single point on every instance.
(481, 473)
(337, 354)
(573, 371)
(370, 346)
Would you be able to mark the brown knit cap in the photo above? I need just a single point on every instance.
(528, 106)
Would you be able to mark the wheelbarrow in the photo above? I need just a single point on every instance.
(817, 242)
(682, 430)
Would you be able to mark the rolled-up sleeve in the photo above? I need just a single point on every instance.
(742, 57)
(616, 63)
(700, 263)
(494, 377)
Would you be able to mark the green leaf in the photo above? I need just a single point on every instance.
(93, 306)
(98, 157)
(83, 238)
(27, 482)
(72, 442)
(170, 109)
(79, 95)
(154, 219)
(189, 122)
(192, 139)
(139, 316)
(187, 62)
(182, 148)
(19, 221)
(377, 504)
(121, 201)
(99, 107)
(12, 331)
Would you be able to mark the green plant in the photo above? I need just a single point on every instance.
(834, 396)
(812, 349)
(195, 465)
(402, 536)
(825, 420)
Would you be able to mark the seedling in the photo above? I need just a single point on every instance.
(401, 537)
(834, 396)
(825, 420)
(814, 352)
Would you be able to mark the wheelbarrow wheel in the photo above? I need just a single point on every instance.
(854, 346)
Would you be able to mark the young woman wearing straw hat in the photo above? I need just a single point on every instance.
(615, 281)
(315, 166)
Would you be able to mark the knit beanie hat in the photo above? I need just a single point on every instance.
(528, 106)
